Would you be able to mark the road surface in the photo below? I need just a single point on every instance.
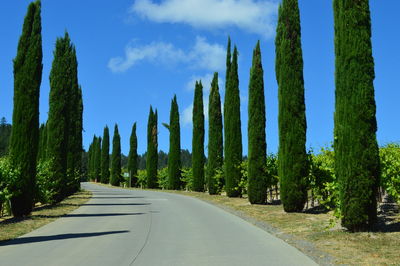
(132, 227)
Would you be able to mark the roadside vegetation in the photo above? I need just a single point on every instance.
(42, 214)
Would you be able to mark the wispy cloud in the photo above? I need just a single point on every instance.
(250, 15)
(187, 114)
(202, 55)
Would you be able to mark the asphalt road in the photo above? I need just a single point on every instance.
(131, 227)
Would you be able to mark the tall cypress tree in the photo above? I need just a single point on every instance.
(116, 158)
(105, 157)
(92, 159)
(257, 189)
(75, 125)
(25, 127)
(42, 143)
(133, 158)
(152, 147)
(58, 132)
(215, 139)
(97, 160)
(89, 164)
(292, 163)
(232, 130)
(198, 139)
(356, 149)
(174, 155)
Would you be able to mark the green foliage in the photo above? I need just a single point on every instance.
(142, 179)
(25, 130)
(215, 139)
(356, 149)
(5, 133)
(390, 169)
(116, 176)
(322, 179)
(187, 178)
(293, 166)
(9, 177)
(152, 147)
(133, 158)
(198, 139)
(105, 157)
(45, 184)
(163, 179)
(232, 127)
(97, 160)
(64, 125)
(174, 155)
(257, 178)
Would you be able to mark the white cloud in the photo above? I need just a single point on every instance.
(202, 55)
(254, 16)
(205, 80)
(187, 114)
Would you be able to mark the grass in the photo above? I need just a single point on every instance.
(11, 228)
(313, 234)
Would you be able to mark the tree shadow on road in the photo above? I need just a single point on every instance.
(116, 204)
(35, 239)
(90, 215)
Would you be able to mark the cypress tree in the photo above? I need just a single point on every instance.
(58, 133)
(152, 147)
(198, 139)
(174, 155)
(215, 139)
(75, 125)
(89, 163)
(133, 158)
(257, 188)
(92, 150)
(25, 127)
(292, 162)
(105, 157)
(42, 143)
(97, 160)
(232, 130)
(356, 150)
(116, 158)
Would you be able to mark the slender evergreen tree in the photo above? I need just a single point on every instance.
(75, 126)
(215, 139)
(356, 150)
(232, 129)
(58, 131)
(42, 143)
(198, 139)
(105, 157)
(92, 149)
(292, 162)
(25, 127)
(97, 160)
(116, 158)
(257, 178)
(90, 160)
(174, 155)
(133, 158)
(152, 147)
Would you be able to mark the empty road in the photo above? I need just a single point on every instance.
(132, 227)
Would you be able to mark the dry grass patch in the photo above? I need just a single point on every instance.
(11, 228)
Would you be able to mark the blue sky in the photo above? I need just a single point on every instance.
(137, 53)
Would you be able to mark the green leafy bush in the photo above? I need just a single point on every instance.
(142, 178)
(187, 178)
(9, 177)
(45, 184)
(163, 178)
(390, 169)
